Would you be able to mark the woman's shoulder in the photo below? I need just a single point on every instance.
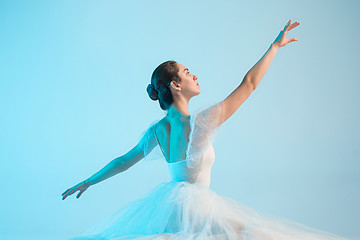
(166, 125)
(206, 116)
(161, 124)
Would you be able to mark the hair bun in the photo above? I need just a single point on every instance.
(153, 94)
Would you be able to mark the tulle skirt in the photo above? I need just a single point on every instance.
(192, 211)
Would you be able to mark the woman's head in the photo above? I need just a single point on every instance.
(171, 81)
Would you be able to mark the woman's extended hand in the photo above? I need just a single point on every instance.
(79, 187)
(281, 39)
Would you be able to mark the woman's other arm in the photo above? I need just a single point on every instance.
(119, 164)
(114, 167)
(254, 75)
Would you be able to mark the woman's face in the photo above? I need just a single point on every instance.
(188, 85)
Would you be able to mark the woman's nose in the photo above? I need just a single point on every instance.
(195, 77)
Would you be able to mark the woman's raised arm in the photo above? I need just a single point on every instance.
(255, 74)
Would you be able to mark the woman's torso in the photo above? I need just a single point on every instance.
(173, 137)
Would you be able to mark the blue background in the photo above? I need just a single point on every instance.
(73, 79)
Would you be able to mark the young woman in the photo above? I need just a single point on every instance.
(185, 207)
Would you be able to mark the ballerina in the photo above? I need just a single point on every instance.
(185, 207)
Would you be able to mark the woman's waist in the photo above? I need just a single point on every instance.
(198, 177)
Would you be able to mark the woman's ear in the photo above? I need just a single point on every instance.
(175, 86)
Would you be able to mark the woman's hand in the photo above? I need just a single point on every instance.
(281, 39)
(79, 187)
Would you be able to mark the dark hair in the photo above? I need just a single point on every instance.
(159, 89)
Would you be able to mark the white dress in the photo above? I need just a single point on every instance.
(185, 208)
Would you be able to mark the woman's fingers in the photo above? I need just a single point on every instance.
(64, 196)
(72, 191)
(295, 24)
(287, 25)
(69, 192)
(293, 39)
(79, 187)
(81, 192)
(290, 26)
(281, 40)
(65, 192)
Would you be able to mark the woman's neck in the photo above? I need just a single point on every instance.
(179, 109)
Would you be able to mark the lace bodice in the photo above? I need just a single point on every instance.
(201, 173)
(200, 155)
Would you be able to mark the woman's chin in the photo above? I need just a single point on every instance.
(196, 93)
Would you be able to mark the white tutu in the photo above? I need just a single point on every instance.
(182, 210)
(187, 209)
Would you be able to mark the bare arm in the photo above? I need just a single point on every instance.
(114, 167)
(257, 72)
(254, 75)
(119, 164)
